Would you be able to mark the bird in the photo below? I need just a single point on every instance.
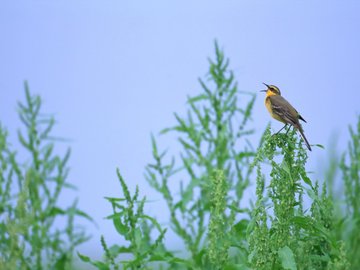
(281, 110)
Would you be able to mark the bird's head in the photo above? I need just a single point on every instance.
(271, 90)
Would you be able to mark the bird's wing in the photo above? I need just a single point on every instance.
(281, 107)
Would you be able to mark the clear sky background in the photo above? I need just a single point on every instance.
(112, 72)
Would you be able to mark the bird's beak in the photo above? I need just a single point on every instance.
(266, 89)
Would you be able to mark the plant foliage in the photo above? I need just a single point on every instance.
(29, 197)
(294, 222)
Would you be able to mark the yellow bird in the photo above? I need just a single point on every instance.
(280, 109)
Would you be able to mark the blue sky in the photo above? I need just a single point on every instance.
(112, 72)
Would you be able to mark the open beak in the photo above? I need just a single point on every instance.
(266, 89)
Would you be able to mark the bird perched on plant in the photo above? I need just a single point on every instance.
(280, 109)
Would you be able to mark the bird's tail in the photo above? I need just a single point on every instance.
(304, 138)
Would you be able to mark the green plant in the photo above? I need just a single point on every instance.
(219, 241)
(350, 168)
(135, 226)
(288, 237)
(207, 212)
(29, 195)
(215, 173)
(213, 138)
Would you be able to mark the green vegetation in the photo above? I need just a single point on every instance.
(29, 195)
(349, 224)
(291, 237)
(208, 213)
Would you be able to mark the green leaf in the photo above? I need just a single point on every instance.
(287, 258)
(113, 199)
(56, 211)
(250, 227)
(120, 227)
(138, 237)
(303, 222)
(242, 155)
(237, 209)
(84, 258)
(241, 227)
(305, 178)
(23, 141)
(153, 221)
(61, 262)
(286, 168)
(99, 265)
(197, 98)
(320, 146)
(80, 213)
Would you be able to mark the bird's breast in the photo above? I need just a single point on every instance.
(268, 104)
